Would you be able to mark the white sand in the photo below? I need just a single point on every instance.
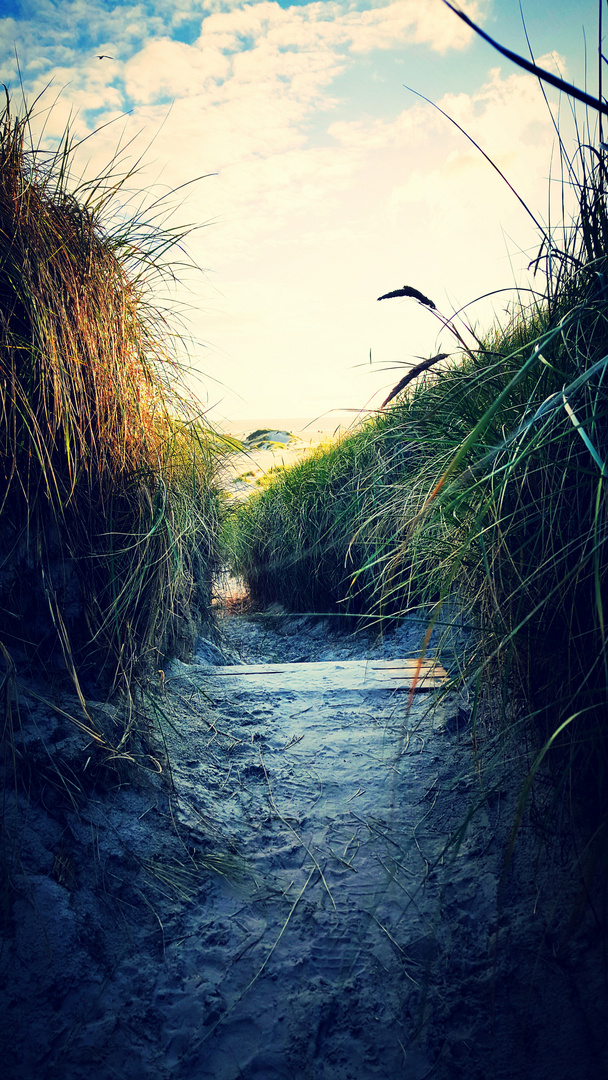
(242, 471)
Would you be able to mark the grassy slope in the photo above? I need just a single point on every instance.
(108, 503)
(488, 479)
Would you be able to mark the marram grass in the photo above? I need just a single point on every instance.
(108, 503)
(488, 481)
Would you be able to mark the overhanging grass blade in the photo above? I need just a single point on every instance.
(583, 434)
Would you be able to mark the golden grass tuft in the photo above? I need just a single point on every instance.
(108, 511)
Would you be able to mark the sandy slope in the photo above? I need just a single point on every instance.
(360, 925)
(244, 471)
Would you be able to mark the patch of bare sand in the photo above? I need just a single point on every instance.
(243, 471)
(360, 922)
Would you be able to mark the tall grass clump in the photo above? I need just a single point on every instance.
(486, 480)
(108, 510)
(322, 534)
(298, 540)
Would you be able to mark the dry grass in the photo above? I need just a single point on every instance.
(108, 507)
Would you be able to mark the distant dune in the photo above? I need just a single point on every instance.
(243, 470)
(306, 428)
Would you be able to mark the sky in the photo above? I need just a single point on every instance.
(294, 137)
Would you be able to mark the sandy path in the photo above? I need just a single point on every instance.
(322, 963)
(361, 925)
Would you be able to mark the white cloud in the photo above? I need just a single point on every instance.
(408, 201)
(169, 69)
(406, 21)
(315, 216)
(66, 28)
(254, 75)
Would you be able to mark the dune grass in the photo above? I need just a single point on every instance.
(108, 501)
(485, 480)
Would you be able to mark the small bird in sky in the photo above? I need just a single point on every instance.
(407, 290)
(103, 56)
